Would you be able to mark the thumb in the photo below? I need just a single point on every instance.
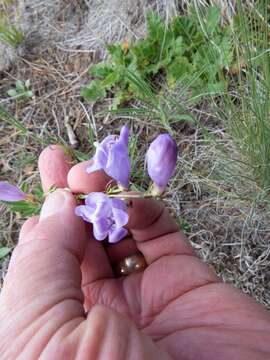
(45, 266)
(62, 227)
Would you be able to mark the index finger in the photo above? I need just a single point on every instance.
(54, 165)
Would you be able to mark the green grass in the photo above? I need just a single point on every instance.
(11, 120)
(10, 34)
(246, 109)
(162, 109)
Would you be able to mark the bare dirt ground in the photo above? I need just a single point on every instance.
(62, 39)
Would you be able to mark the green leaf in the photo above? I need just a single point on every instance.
(178, 47)
(27, 83)
(180, 67)
(4, 251)
(24, 186)
(24, 208)
(184, 26)
(119, 97)
(28, 94)
(12, 93)
(20, 86)
(93, 91)
(117, 54)
(38, 192)
(101, 70)
(110, 80)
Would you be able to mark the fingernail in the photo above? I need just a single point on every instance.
(54, 203)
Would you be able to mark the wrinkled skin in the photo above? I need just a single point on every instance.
(60, 299)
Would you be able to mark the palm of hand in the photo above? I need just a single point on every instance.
(183, 308)
(178, 305)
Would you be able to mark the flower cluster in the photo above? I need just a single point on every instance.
(109, 216)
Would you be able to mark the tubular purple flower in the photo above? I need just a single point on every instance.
(112, 156)
(10, 192)
(161, 160)
(107, 215)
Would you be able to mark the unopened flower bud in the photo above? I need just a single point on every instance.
(161, 160)
(10, 192)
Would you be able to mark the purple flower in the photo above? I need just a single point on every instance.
(112, 156)
(161, 160)
(10, 192)
(107, 215)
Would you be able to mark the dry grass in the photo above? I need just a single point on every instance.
(229, 231)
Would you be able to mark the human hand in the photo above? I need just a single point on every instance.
(61, 300)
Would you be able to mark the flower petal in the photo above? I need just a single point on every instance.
(93, 198)
(124, 134)
(117, 234)
(118, 165)
(93, 167)
(84, 212)
(101, 228)
(10, 192)
(119, 211)
(100, 205)
(101, 156)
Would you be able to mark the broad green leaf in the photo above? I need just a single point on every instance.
(12, 93)
(28, 94)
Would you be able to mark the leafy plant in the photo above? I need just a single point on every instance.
(173, 51)
(22, 90)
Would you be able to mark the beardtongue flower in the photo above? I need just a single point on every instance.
(107, 215)
(112, 156)
(10, 192)
(161, 160)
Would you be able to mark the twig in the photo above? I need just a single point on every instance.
(70, 132)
